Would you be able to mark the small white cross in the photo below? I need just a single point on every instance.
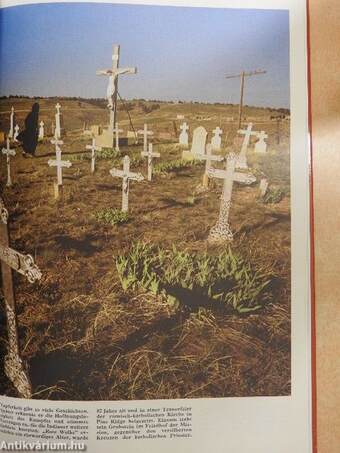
(58, 107)
(11, 130)
(126, 175)
(93, 149)
(150, 155)
(60, 164)
(145, 134)
(16, 133)
(242, 157)
(8, 152)
(41, 130)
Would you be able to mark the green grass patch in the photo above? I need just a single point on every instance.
(112, 216)
(273, 196)
(194, 279)
(175, 166)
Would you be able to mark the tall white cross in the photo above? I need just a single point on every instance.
(8, 152)
(242, 157)
(117, 131)
(60, 164)
(11, 127)
(150, 155)
(145, 134)
(221, 231)
(126, 175)
(16, 133)
(183, 136)
(208, 157)
(41, 130)
(57, 132)
(112, 88)
(93, 149)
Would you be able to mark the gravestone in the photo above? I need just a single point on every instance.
(146, 133)
(14, 367)
(150, 155)
(216, 141)
(8, 152)
(261, 145)
(41, 130)
(93, 149)
(126, 176)
(184, 136)
(208, 157)
(16, 132)
(242, 157)
(221, 231)
(199, 139)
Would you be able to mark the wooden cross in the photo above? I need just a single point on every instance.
(145, 134)
(117, 131)
(242, 157)
(15, 368)
(93, 149)
(60, 164)
(126, 175)
(150, 154)
(11, 129)
(112, 89)
(57, 132)
(221, 231)
(8, 152)
(208, 157)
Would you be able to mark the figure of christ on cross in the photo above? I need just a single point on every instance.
(112, 88)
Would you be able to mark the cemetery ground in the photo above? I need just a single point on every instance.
(87, 333)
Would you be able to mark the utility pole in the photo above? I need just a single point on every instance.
(242, 76)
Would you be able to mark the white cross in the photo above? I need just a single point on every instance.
(242, 157)
(8, 152)
(55, 141)
(57, 132)
(208, 157)
(216, 140)
(58, 107)
(150, 154)
(126, 175)
(183, 137)
(145, 134)
(117, 131)
(261, 145)
(112, 88)
(16, 133)
(41, 130)
(221, 231)
(93, 149)
(60, 164)
(11, 130)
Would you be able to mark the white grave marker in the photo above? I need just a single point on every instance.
(41, 130)
(60, 164)
(242, 157)
(16, 133)
(117, 131)
(216, 141)
(208, 157)
(93, 149)
(261, 145)
(199, 139)
(126, 175)
(184, 137)
(8, 152)
(150, 155)
(11, 127)
(57, 131)
(145, 134)
(263, 187)
(221, 231)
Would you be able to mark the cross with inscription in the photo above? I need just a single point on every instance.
(221, 231)
(126, 175)
(15, 369)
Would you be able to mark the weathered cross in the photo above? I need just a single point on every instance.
(242, 157)
(261, 145)
(8, 152)
(145, 134)
(216, 140)
(117, 131)
(221, 231)
(112, 89)
(60, 164)
(126, 175)
(183, 137)
(208, 157)
(11, 128)
(57, 132)
(93, 149)
(10, 259)
(16, 133)
(150, 155)
(41, 130)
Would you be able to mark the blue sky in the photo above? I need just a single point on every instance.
(180, 53)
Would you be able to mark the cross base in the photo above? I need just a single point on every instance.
(221, 232)
(58, 191)
(16, 373)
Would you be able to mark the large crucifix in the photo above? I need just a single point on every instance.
(112, 88)
(221, 231)
(15, 368)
